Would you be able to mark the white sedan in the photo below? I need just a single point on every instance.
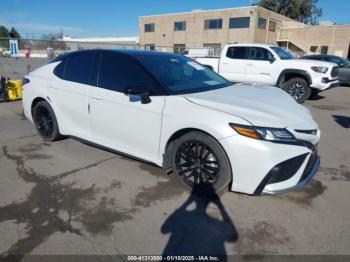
(171, 111)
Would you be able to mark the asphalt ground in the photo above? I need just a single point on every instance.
(69, 198)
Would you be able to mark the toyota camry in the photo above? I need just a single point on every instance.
(171, 111)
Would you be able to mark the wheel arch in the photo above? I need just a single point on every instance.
(35, 102)
(177, 134)
(288, 74)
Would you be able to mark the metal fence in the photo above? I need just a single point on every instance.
(42, 51)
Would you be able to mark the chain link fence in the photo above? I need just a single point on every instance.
(43, 51)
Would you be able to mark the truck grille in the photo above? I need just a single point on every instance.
(335, 71)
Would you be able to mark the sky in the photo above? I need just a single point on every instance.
(89, 18)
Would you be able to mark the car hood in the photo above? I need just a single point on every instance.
(260, 105)
(310, 62)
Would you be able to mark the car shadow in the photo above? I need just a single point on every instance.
(199, 227)
(343, 121)
(316, 97)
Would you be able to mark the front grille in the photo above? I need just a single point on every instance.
(335, 71)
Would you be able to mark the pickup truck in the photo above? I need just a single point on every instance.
(273, 65)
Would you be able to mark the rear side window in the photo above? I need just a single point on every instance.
(117, 72)
(258, 53)
(59, 69)
(80, 68)
(237, 52)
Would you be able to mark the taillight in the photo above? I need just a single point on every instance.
(25, 81)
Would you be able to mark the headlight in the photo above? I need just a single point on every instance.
(264, 133)
(320, 69)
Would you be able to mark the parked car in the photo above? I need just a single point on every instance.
(273, 65)
(171, 111)
(344, 65)
(199, 52)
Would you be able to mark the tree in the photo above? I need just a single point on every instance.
(305, 11)
(13, 33)
(4, 33)
(52, 40)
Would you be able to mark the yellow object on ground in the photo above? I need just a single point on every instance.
(14, 89)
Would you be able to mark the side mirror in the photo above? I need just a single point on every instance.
(341, 65)
(272, 59)
(139, 91)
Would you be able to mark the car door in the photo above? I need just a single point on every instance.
(233, 64)
(260, 66)
(69, 91)
(122, 122)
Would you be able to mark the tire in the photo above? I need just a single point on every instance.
(200, 163)
(45, 122)
(298, 88)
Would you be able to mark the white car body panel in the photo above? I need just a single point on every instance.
(122, 123)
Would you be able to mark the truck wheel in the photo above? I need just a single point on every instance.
(201, 163)
(298, 88)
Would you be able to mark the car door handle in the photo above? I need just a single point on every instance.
(224, 63)
(249, 64)
(52, 87)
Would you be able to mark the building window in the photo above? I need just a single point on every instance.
(215, 46)
(239, 22)
(179, 48)
(149, 27)
(324, 50)
(272, 26)
(313, 48)
(180, 26)
(213, 24)
(150, 47)
(261, 23)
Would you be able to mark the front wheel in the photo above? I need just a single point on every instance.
(298, 88)
(201, 163)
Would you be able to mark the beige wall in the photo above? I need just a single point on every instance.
(337, 38)
(298, 35)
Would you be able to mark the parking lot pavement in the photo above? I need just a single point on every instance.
(70, 198)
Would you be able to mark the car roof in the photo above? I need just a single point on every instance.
(254, 44)
(129, 52)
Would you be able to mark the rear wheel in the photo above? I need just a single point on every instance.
(45, 122)
(201, 163)
(298, 88)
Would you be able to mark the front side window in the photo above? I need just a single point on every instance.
(149, 27)
(213, 24)
(118, 72)
(237, 52)
(261, 23)
(258, 53)
(282, 53)
(80, 68)
(181, 75)
(180, 26)
(239, 22)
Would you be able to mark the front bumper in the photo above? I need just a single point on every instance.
(325, 83)
(252, 162)
(308, 174)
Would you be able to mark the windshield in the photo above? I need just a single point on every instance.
(282, 53)
(181, 75)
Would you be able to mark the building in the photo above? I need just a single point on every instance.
(101, 42)
(216, 28)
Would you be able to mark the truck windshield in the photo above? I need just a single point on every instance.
(282, 53)
(181, 75)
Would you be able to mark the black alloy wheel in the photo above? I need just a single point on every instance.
(44, 122)
(197, 164)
